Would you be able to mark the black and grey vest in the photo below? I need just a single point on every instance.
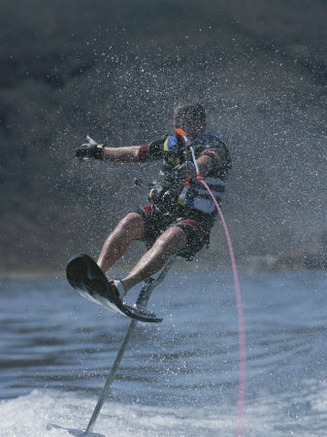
(197, 197)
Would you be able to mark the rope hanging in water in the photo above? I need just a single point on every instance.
(242, 346)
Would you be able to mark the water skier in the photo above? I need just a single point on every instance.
(179, 218)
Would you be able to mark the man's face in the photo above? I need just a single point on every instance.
(192, 129)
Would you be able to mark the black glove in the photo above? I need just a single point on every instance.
(91, 149)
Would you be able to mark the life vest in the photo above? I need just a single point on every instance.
(197, 197)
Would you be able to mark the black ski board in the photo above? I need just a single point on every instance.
(86, 277)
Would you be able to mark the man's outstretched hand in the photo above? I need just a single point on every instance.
(91, 149)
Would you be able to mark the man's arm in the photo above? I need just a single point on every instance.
(206, 163)
(121, 154)
(212, 159)
(93, 150)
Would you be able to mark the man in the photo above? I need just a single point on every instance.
(181, 213)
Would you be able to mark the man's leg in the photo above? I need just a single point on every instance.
(171, 241)
(128, 229)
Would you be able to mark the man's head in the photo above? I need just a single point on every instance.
(190, 116)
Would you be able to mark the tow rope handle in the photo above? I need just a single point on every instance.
(182, 133)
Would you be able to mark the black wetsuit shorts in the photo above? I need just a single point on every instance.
(195, 224)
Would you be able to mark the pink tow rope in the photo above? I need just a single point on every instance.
(242, 346)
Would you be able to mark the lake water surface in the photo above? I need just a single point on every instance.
(177, 378)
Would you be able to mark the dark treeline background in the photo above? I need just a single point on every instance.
(114, 70)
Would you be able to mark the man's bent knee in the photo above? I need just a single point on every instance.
(132, 223)
(173, 239)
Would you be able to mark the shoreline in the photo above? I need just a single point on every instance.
(248, 265)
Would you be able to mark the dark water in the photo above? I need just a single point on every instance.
(178, 378)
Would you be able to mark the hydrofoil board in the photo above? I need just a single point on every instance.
(86, 277)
